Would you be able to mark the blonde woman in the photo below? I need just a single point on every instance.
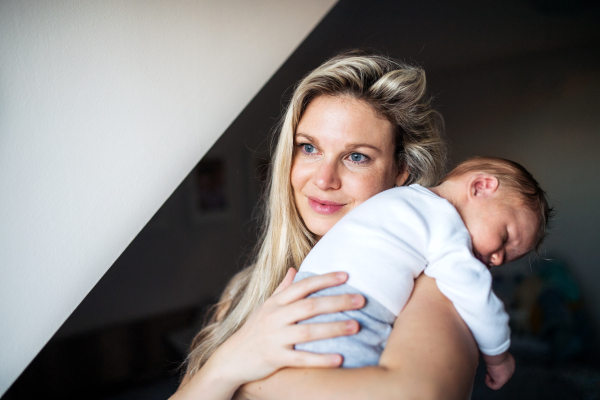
(357, 125)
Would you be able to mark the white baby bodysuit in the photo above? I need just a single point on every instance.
(386, 242)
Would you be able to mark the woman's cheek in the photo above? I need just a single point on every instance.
(368, 186)
(299, 175)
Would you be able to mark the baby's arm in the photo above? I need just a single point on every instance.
(467, 283)
(500, 369)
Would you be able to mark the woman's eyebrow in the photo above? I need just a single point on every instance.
(354, 146)
(305, 136)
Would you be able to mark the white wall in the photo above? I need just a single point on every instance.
(104, 109)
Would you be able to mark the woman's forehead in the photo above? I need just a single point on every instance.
(345, 119)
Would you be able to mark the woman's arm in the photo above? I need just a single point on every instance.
(430, 354)
(265, 342)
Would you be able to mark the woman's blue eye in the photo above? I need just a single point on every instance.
(308, 148)
(357, 157)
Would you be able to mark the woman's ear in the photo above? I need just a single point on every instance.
(402, 176)
(483, 185)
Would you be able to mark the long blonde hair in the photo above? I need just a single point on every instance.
(398, 93)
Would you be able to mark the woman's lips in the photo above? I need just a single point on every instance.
(324, 206)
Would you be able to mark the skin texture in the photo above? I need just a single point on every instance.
(344, 155)
(500, 369)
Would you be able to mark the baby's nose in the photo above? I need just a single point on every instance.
(497, 258)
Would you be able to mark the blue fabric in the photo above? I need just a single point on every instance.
(359, 350)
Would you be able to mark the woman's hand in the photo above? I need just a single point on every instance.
(265, 343)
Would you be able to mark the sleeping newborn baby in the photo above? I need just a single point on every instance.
(486, 212)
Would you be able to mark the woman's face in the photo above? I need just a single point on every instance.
(344, 155)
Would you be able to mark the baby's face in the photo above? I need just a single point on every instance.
(502, 230)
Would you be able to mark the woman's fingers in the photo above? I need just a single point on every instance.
(313, 306)
(287, 281)
(304, 359)
(308, 332)
(300, 290)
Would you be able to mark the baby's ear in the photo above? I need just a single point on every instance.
(484, 185)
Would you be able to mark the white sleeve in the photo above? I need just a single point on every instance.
(468, 284)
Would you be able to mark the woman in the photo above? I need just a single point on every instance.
(357, 125)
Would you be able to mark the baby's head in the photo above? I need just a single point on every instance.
(502, 206)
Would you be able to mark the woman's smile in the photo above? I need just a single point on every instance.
(324, 206)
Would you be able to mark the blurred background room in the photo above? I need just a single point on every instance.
(518, 79)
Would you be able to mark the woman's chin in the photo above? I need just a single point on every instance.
(320, 226)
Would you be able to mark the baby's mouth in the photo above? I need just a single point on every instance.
(487, 264)
(480, 257)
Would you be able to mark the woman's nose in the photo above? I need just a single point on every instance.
(326, 176)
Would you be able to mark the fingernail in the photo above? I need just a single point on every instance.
(357, 300)
(340, 276)
(350, 326)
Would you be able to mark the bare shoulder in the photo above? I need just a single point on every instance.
(431, 342)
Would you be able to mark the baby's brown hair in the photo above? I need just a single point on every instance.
(514, 177)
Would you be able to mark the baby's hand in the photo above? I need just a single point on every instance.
(500, 369)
